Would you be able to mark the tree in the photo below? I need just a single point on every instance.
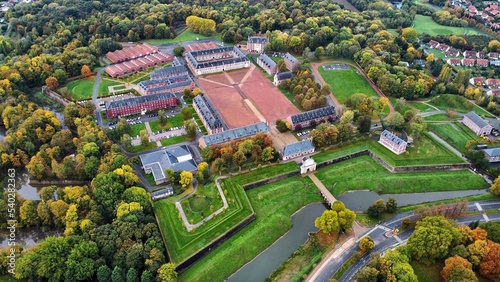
(246, 147)
(178, 51)
(281, 65)
(52, 83)
(162, 119)
(400, 104)
(103, 273)
(391, 206)
(490, 265)
(434, 236)
(132, 275)
(283, 125)
(430, 58)
(410, 34)
(335, 220)
(191, 128)
(86, 72)
(451, 263)
(28, 213)
(186, 113)
(143, 135)
(186, 179)
(117, 274)
(267, 154)
(347, 117)
(367, 274)
(167, 273)
(477, 251)
(239, 158)
(376, 209)
(147, 276)
(366, 244)
(397, 121)
(126, 142)
(495, 187)
(364, 124)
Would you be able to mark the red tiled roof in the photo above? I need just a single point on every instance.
(200, 46)
(468, 62)
(138, 64)
(482, 62)
(454, 61)
(477, 80)
(131, 52)
(493, 81)
(495, 92)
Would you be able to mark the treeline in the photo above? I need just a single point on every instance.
(307, 93)
(386, 12)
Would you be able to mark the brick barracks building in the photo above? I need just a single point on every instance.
(140, 104)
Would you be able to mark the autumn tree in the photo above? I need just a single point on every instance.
(191, 128)
(337, 219)
(186, 113)
(495, 187)
(391, 206)
(376, 209)
(366, 244)
(167, 273)
(144, 137)
(490, 264)
(186, 179)
(52, 83)
(86, 72)
(452, 263)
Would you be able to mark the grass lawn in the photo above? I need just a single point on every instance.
(405, 108)
(421, 106)
(150, 178)
(427, 273)
(103, 86)
(425, 151)
(456, 134)
(175, 121)
(457, 104)
(289, 95)
(345, 83)
(140, 148)
(438, 54)
(265, 172)
(181, 244)
(440, 118)
(173, 140)
(344, 176)
(81, 89)
(200, 205)
(425, 24)
(136, 128)
(273, 203)
(186, 35)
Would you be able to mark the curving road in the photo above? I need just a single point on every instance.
(382, 243)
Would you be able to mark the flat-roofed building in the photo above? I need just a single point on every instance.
(140, 105)
(178, 158)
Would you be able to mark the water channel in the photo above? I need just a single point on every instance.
(267, 261)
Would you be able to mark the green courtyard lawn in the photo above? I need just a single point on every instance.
(345, 83)
(289, 95)
(457, 104)
(425, 24)
(186, 35)
(365, 173)
(425, 151)
(200, 205)
(273, 203)
(456, 134)
(81, 89)
(180, 243)
(173, 140)
(423, 108)
(440, 118)
(175, 121)
(142, 148)
(104, 86)
(136, 129)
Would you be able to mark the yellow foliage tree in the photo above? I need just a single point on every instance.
(186, 178)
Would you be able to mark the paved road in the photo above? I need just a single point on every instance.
(95, 94)
(383, 243)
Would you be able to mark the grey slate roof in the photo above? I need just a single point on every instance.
(476, 119)
(167, 81)
(297, 147)
(191, 56)
(258, 40)
(284, 75)
(493, 152)
(209, 112)
(291, 58)
(236, 133)
(163, 193)
(170, 71)
(267, 61)
(161, 160)
(139, 100)
(313, 114)
(394, 139)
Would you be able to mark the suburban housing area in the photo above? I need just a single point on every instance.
(250, 141)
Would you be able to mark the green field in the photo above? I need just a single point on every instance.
(425, 151)
(136, 129)
(440, 118)
(104, 86)
(345, 83)
(423, 108)
(273, 204)
(457, 104)
(200, 205)
(81, 89)
(456, 134)
(425, 24)
(365, 173)
(173, 140)
(141, 148)
(175, 121)
(186, 35)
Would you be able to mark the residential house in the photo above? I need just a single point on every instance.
(433, 44)
(469, 54)
(297, 149)
(312, 117)
(481, 55)
(454, 61)
(443, 47)
(257, 44)
(493, 82)
(267, 64)
(493, 55)
(178, 158)
(494, 92)
(492, 155)
(482, 63)
(392, 142)
(452, 53)
(477, 81)
(468, 62)
(291, 62)
(477, 124)
(140, 105)
(279, 77)
(495, 63)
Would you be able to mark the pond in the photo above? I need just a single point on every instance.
(267, 261)
(29, 237)
(361, 200)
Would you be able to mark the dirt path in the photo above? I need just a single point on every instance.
(315, 67)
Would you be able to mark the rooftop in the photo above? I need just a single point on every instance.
(493, 152)
(284, 75)
(177, 158)
(209, 112)
(313, 114)
(391, 136)
(236, 133)
(170, 71)
(258, 40)
(267, 61)
(476, 119)
(297, 147)
(139, 100)
(291, 58)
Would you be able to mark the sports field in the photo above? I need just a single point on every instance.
(345, 83)
(345, 176)
(425, 24)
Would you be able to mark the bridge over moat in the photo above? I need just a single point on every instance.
(329, 198)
